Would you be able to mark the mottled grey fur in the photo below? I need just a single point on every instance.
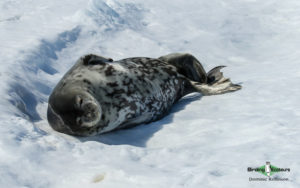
(100, 95)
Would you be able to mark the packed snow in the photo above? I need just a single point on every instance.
(203, 142)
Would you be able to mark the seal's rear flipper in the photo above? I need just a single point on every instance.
(216, 89)
(216, 83)
(214, 75)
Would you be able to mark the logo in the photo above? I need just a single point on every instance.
(268, 170)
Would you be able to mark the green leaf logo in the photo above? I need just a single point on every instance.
(274, 170)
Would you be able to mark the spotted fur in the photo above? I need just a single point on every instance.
(127, 92)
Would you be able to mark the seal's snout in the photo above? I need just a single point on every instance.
(90, 111)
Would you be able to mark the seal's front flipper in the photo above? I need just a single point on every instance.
(216, 83)
(92, 59)
(145, 117)
(187, 65)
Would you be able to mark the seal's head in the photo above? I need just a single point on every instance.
(73, 112)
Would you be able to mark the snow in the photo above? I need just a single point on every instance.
(203, 142)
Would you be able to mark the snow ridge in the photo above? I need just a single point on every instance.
(39, 64)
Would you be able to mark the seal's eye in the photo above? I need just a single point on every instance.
(78, 102)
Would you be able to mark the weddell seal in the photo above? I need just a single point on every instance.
(98, 95)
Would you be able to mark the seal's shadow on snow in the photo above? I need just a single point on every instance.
(139, 135)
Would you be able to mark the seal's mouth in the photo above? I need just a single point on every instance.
(90, 111)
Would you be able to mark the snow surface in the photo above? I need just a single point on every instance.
(203, 142)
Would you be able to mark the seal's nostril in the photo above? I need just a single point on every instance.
(88, 106)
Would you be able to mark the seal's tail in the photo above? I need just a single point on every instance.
(216, 83)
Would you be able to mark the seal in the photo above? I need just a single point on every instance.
(99, 95)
